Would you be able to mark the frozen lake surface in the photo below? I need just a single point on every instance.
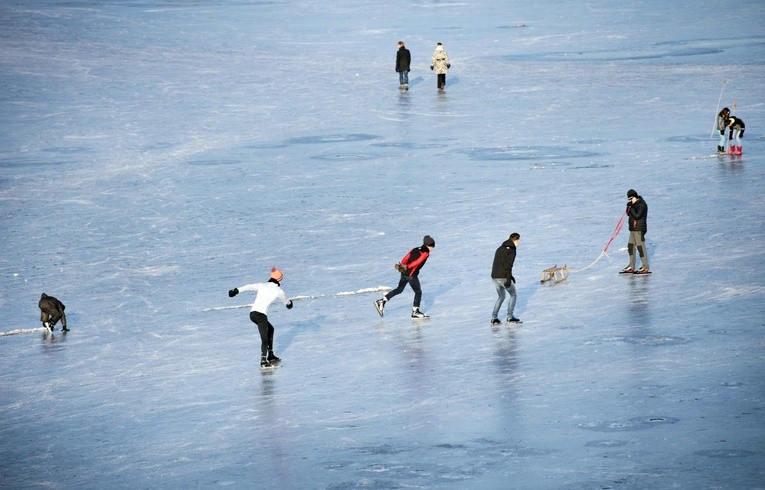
(154, 154)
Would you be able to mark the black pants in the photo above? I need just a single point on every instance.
(414, 282)
(441, 80)
(266, 332)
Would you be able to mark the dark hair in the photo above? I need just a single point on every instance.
(514, 236)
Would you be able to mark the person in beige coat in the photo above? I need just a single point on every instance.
(440, 64)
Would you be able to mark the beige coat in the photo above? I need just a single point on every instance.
(440, 60)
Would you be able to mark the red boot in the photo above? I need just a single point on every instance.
(738, 150)
(732, 150)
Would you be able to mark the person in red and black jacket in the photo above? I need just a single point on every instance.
(409, 268)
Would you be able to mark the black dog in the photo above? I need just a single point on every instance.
(51, 311)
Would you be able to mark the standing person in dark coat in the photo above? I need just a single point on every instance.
(502, 275)
(637, 214)
(403, 60)
(409, 267)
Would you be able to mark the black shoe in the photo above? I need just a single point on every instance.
(272, 357)
(512, 319)
(495, 321)
(264, 362)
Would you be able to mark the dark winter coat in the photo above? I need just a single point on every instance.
(638, 215)
(403, 59)
(504, 258)
(735, 123)
(415, 260)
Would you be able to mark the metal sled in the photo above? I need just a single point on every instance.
(555, 274)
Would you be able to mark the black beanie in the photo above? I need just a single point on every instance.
(428, 241)
(632, 193)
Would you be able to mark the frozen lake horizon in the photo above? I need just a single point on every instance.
(155, 154)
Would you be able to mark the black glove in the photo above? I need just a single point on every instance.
(233, 292)
(448, 65)
(509, 281)
(431, 67)
(741, 134)
(289, 305)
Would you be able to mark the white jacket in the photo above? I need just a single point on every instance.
(267, 293)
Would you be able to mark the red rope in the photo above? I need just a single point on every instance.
(618, 228)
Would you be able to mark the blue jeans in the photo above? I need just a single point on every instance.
(499, 285)
(403, 77)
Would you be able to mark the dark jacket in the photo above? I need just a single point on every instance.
(638, 215)
(415, 259)
(403, 59)
(734, 123)
(504, 258)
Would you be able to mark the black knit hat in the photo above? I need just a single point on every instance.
(428, 241)
(632, 193)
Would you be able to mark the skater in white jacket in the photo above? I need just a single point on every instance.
(267, 293)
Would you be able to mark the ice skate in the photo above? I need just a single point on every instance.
(380, 305)
(416, 313)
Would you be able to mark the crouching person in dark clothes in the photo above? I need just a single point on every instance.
(51, 311)
(266, 293)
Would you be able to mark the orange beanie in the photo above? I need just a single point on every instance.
(276, 274)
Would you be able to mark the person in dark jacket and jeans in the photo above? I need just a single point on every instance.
(403, 60)
(637, 214)
(409, 267)
(502, 275)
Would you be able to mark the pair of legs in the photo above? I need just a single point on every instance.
(266, 333)
(441, 80)
(414, 282)
(403, 77)
(735, 141)
(53, 318)
(721, 144)
(637, 240)
(499, 285)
